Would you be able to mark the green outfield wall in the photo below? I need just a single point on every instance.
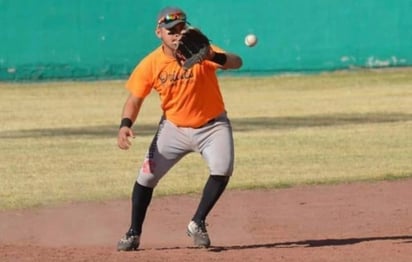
(100, 39)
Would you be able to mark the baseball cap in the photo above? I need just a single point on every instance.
(170, 16)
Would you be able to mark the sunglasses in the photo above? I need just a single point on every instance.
(172, 17)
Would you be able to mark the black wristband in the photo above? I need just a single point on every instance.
(219, 58)
(126, 122)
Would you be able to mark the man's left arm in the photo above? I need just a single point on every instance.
(225, 60)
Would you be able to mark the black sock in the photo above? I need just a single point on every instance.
(214, 188)
(141, 198)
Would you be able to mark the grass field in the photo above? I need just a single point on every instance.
(58, 139)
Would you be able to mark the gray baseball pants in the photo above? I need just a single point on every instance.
(214, 142)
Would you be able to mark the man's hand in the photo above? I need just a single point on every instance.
(124, 138)
(131, 109)
(193, 47)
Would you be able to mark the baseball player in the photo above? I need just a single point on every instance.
(182, 70)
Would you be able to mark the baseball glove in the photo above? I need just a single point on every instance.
(193, 47)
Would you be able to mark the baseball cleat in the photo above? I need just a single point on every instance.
(128, 242)
(199, 234)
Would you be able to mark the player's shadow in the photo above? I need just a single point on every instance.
(314, 243)
(322, 120)
(238, 124)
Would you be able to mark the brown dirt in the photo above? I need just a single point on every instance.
(351, 222)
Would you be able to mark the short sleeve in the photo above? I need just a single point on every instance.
(140, 82)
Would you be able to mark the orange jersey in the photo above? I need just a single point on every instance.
(188, 98)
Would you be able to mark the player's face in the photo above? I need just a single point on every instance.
(170, 36)
(176, 29)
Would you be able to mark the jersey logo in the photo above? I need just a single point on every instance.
(173, 77)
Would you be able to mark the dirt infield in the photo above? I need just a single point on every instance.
(351, 222)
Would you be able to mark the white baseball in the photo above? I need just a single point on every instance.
(250, 40)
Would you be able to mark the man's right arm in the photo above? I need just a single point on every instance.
(130, 112)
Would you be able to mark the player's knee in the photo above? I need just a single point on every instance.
(222, 170)
(147, 179)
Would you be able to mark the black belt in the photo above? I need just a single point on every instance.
(211, 121)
